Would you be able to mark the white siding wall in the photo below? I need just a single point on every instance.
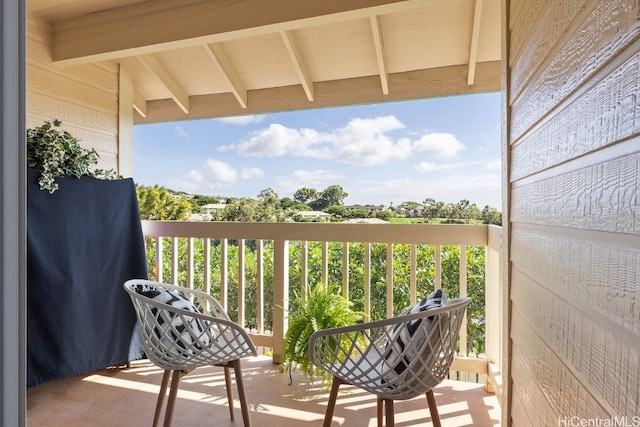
(572, 131)
(84, 97)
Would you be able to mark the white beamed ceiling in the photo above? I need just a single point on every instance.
(195, 59)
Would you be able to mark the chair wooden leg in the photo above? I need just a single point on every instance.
(435, 418)
(227, 381)
(333, 395)
(161, 396)
(175, 384)
(388, 406)
(241, 394)
(379, 407)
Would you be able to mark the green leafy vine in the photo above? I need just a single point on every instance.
(57, 153)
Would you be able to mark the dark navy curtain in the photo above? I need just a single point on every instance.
(83, 242)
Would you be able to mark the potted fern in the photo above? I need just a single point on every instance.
(322, 308)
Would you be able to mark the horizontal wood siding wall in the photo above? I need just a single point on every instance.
(83, 97)
(574, 148)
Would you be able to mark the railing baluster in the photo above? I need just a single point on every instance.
(241, 281)
(190, 272)
(324, 275)
(413, 281)
(207, 265)
(260, 286)
(174, 260)
(280, 294)
(224, 272)
(437, 252)
(304, 269)
(464, 350)
(463, 293)
(367, 279)
(345, 270)
(389, 279)
(159, 258)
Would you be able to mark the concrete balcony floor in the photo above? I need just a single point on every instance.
(127, 397)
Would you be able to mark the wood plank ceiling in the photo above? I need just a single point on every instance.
(193, 59)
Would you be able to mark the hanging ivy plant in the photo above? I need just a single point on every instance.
(55, 153)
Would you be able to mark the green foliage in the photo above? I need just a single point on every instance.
(491, 216)
(322, 308)
(155, 203)
(338, 212)
(305, 195)
(57, 153)
(287, 203)
(384, 215)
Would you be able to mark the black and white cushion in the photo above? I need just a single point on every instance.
(184, 339)
(395, 354)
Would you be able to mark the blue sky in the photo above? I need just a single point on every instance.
(446, 148)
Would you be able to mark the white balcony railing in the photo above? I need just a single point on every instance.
(185, 249)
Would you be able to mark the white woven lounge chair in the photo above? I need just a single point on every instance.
(395, 359)
(182, 329)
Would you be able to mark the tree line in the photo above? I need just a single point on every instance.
(159, 203)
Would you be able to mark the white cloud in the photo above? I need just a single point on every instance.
(252, 173)
(189, 182)
(278, 140)
(439, 145)
(214, 175)
(242, 120)
(362, 141)
(426, 167)
(181, 133)
(221, 172)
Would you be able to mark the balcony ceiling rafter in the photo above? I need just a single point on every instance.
(222, 62)
(153, 65)
(475, 38)
(376, 28)
(198, 59)
(139, 103)
(298, 63)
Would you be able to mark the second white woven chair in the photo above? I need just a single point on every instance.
(395, 359)
(182, 329)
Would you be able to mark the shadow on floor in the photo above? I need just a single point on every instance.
(127, 396)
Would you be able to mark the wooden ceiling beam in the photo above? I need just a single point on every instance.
(298, 63)
(139, 103)
(429, 83)
(153, 65)
(378, 42)
(160, 25)
(220, 59)
(475, 37)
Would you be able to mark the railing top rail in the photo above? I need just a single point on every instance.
(443, 234)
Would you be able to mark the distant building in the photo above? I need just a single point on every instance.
(200, 217)
(314, 214)
(365, 221)
(213, 207)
